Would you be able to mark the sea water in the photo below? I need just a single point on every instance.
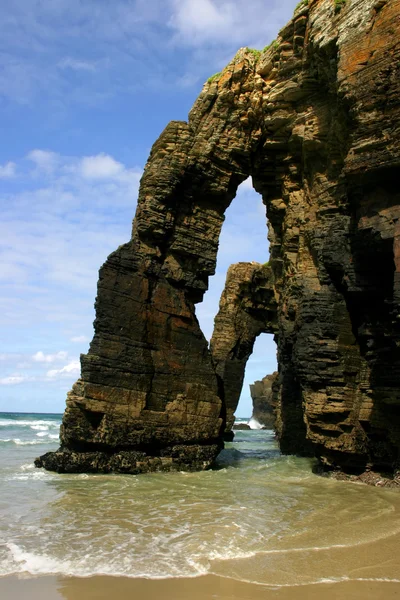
(257, 516)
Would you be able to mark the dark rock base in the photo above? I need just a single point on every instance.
(368, 476)
(175, 458)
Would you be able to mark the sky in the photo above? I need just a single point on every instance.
(86, 87)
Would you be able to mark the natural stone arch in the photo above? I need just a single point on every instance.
(314, 120)
(149, 397)
(247, 309)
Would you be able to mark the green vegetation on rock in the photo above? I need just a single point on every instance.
(214, 77)
(274, 44)
(254, 52)
(339, 4)
(301, 4)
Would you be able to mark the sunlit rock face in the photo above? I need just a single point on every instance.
(315, 121)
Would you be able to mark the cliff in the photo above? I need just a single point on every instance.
(314, 119)
(264, 396)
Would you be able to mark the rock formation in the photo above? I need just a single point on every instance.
(264, 396)
(314, 119)
(247, 308)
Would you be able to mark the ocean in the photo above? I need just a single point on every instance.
(258, 517)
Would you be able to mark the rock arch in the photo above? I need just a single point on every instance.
(314, 120)
(247, 309)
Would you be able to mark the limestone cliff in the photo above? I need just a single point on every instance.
(264, 397)
(314, 119)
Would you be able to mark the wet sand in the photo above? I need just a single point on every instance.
(208, 587)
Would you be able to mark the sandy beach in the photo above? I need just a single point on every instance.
(373, 569)
(208, 587)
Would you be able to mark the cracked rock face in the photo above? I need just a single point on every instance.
(315, 121)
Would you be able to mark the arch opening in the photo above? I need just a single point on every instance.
(255, 401)
(240, 304)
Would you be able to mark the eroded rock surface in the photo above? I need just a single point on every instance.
(247, 308)
(264, 396)
(315, 121)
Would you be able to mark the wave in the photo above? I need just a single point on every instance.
(254, 424)
(52, 436)
(22, 561)
(19, 561)
(19, 442)
(33, 424)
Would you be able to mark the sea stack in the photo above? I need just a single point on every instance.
(264, 395)
(314, 119)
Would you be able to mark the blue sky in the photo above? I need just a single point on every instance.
(86, 87)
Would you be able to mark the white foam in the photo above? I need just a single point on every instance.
(19, 442)
(23, 561)
(27, 467)
(37, 475)
(254, 424)
(32, 423)
(46, 434)
(36, 564)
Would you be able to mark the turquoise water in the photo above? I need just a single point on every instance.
(258, 516)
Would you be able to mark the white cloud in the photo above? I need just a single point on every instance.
(79, 339)
(251, 23)
(101, 166)
(44, 160)
(49, 358)
(199, 19)
(76, 65)
(56, 233)
(72, 369)
(110, 42)
(8, 170)
(12, 380)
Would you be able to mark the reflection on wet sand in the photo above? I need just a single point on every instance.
(207, 587)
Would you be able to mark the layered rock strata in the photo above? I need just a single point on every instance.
(264, 397)
(247, 308)
(314, 119)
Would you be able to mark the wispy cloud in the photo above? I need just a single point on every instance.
(44, 160)
(240, 22)
(76, 64)
(101, 166)
(55, 233)
(72, 369)
(13, 380)
(7, 170)
(35, 368)
(124, 47)
(41, 357)
(79, 339)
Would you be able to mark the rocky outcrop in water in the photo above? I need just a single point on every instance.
(314, 119)
(247, 308)
(264, 397)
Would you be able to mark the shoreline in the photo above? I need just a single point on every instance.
(204, 587)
